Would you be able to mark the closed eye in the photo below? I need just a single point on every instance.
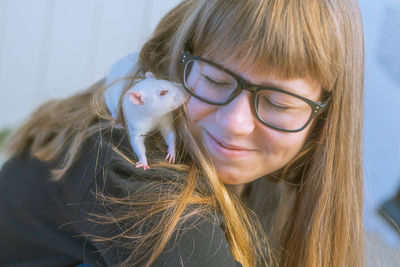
(215, 83)
(274, 105)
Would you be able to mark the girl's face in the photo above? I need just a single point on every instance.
(241, 147)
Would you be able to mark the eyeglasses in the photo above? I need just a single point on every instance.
(274, 107)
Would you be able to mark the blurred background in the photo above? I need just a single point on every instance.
(54, 48)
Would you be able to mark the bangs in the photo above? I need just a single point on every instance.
(287, 39)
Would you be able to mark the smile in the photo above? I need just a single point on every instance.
(228, 150)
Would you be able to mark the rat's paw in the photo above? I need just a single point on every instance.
(171, 154)
(142, 165)
(170, 158)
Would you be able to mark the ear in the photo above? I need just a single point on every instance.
(135, 97)
(149, 74)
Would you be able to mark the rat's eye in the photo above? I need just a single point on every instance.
(163, 92)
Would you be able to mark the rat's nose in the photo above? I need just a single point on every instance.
(237, 116)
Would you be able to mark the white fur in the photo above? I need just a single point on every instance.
(146, 107)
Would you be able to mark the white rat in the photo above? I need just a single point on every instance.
(146, 107)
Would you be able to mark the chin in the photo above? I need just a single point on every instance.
(232, 178)
(231, 181)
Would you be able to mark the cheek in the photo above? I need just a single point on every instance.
(280, 145)
(197, 110)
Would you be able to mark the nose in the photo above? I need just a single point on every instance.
(237, 117)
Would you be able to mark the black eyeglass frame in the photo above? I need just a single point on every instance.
(242, 84)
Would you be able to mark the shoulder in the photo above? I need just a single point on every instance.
(80, 198)
(121, 198)
(116, 230)
(200, 242)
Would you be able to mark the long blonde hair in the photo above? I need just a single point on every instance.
(321, 40)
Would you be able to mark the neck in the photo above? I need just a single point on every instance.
(238, 189)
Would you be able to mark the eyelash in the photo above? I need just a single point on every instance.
(278, 108)
(214, 83)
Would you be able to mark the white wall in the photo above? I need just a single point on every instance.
(53, 48)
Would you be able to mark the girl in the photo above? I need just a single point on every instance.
(268, 166)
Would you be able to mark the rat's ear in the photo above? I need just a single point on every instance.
(149, 74)
(135, 97)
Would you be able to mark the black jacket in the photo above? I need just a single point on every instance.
(43, 222)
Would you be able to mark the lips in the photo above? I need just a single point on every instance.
(230, 147)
